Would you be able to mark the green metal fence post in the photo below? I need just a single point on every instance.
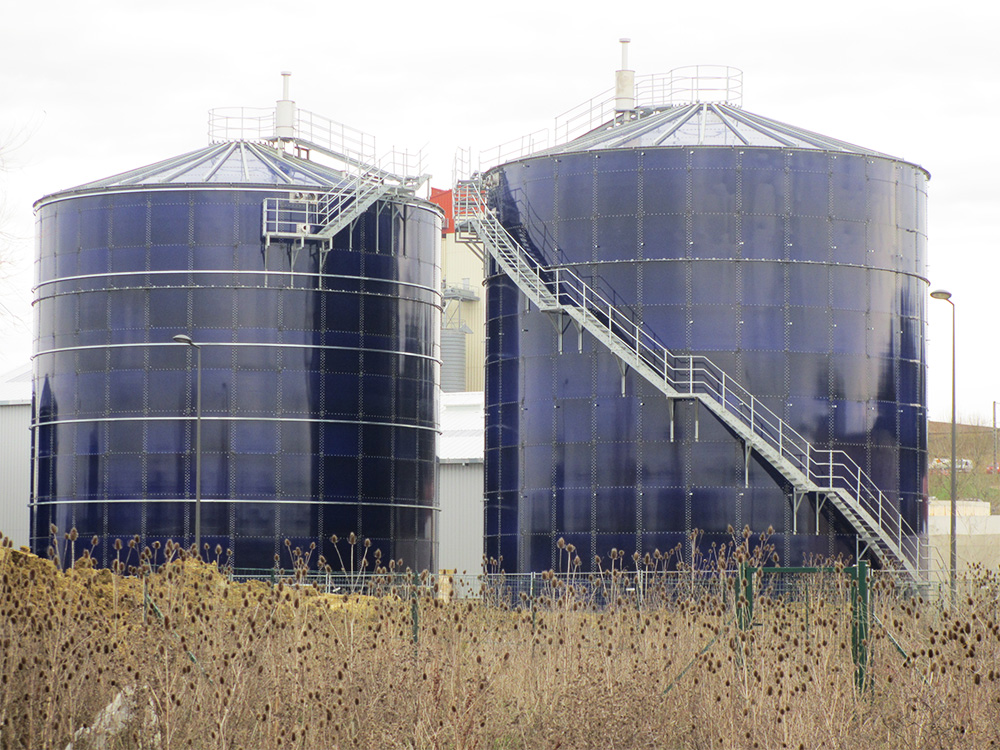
(861, 625)
(532, 588)
(807, 609)
(744, 609)
(415, 611)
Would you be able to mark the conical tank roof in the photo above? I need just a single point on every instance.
(703, 124)
(234, 163)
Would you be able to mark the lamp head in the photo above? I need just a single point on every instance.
(941, 294)
(180, 338)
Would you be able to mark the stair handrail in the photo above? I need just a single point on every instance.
(319, 214)
(336, 201)
(391, 171)
(692, 374)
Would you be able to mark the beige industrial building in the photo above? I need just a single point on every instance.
(460, 449)
(463, 333)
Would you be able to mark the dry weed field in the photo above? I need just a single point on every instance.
(177, 655)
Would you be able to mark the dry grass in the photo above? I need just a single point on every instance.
(250, 665)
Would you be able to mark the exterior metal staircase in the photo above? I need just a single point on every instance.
(320, 216)
(828, 475)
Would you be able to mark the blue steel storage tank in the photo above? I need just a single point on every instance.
(796, 262)
(320, 363)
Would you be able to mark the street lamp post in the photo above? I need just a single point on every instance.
(180, 338)
(946, 296)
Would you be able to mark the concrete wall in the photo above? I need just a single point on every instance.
(977, 538)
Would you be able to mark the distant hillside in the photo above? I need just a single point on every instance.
(974, 442)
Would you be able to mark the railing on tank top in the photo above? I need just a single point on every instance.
(557, 287)
(323, 214)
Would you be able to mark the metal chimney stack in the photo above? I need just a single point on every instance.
(284, 113)
(624, 82)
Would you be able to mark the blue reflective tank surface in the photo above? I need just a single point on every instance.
(797, 266)
(319, 368)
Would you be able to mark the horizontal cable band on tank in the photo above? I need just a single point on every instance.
(435, 303)
(779, 261)
(192, 418)
(231, 188)
(220, 272)
(327, 347)
(241, 501)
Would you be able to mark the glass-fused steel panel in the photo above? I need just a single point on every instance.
(799, 272)
(319, 371)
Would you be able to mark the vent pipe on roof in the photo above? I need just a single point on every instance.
(624, 83)
(284, 113)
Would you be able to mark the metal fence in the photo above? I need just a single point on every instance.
(646, 589)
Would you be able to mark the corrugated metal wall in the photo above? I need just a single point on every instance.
(453, 360)
(460, 489)
(15, 470)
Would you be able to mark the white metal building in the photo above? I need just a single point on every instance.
(15, 453)
(460, 482)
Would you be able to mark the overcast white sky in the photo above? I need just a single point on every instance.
(88, 90)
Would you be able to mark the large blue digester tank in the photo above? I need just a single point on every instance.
(794, 261)
(320, 363)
